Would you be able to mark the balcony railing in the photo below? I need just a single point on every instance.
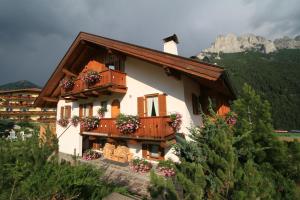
(24, 98)
(151, 128)
(28, 113)
(108, 78)
(17, 104)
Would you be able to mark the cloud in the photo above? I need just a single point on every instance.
(35, 34)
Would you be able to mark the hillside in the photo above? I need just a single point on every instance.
(276, 76)
(18, 85)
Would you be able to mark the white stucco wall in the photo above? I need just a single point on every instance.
(70, 141)
(144, 78)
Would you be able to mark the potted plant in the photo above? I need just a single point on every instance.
(176, 121)
(91, 78)
(67, 84)
(140, 165)
(231, 118)
(89, 123)
(101, 111)
(89, 154)
(63, 122)
(166, 168)
(75, 120)
(127, 123)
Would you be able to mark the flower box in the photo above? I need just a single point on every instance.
(127, 124)
(140, 165)
(90, 155)
(166, 168)
(176, 121)
(63, 122)
(89, 123)
(91, 78)
(67, 84)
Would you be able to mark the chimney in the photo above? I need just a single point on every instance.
(170, 44)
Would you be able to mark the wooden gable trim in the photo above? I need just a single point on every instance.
(67, 72)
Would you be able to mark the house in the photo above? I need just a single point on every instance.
(106, 77)
(18, 105)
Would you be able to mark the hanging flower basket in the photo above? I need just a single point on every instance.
(67, 84)
(101, 111)
(127, 123)
(75, 120)
(140, 165)
(91, 78)
(176, 121)
(91, 155)
(89, 123)
(63, 122)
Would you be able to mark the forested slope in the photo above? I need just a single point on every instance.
(276, 76)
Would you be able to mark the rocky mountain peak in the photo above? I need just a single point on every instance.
(232, 43)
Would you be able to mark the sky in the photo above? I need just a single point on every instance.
(35, 34)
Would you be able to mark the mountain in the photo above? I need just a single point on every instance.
(275, 76)
(234, 44)
(19, 85)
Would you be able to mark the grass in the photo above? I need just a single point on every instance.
(292, 135)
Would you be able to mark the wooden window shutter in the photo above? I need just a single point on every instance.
(162, 104)
(68, 112)
(140, 106)
(195, 104)
(80, 110)
(162, 152)
(144, 150)
(90, 110)
(62, 112)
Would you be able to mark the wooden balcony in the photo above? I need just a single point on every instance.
(111, 81)
(21, 113)
(17, 105)
(20, 98)
(152, 128)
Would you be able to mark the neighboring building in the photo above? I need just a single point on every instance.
(18, 105)
(137, 81)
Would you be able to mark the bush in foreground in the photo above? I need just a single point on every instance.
(27, 172)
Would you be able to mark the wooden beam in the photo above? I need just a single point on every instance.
(69, 73)
(50, 99)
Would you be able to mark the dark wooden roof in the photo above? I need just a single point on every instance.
(208, 72)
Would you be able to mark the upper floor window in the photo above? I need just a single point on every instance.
(9, 109)
(65, 112)
(86, 110)
(152, 105)
(114, 62)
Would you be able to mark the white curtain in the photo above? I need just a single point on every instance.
(152, 101)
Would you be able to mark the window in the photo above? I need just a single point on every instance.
(153, 151)
(152, 106)
(196, 105)
(65, 112)
(104, 105)
(9, 109)
(24, 109)
(86, 110)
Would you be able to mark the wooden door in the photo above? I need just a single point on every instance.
(115, 108)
